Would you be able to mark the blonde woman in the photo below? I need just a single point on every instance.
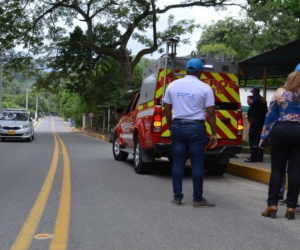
(282, 125)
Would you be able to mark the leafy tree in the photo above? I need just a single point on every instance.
(137, 77)
(217, 50)
(109, 27)
(278, 21)
(230, 36)
(266, 25)
(71, 106)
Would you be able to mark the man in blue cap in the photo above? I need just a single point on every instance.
(191, 100)
(256, 115)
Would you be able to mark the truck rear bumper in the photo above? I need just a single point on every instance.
(223, 150)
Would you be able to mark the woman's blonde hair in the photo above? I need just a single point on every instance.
(293, 82)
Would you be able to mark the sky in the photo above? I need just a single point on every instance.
(202, 15)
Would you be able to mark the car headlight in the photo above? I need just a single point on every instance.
(25, 126)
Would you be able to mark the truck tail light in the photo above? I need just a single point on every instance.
(157, 122)
(240, 126)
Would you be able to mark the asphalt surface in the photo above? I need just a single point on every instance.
(259, 171)
(113, 208)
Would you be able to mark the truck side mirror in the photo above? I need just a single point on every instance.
(119, 111)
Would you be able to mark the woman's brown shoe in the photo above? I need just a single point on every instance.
(270, 211)
(290, 213)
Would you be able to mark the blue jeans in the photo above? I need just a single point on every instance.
(188, 137)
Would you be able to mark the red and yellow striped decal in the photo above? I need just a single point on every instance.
(226, 89)
(225, 86)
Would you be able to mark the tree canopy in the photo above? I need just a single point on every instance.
(40, 26)
(265, 25)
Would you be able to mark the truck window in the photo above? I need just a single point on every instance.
(135, 102)
(132, 104)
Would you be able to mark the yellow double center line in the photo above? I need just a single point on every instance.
(60, 234)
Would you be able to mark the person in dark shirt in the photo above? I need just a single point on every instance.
(249, 100)
(256, 116)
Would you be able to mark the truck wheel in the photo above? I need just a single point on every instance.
(139, 165)
(218, 169)
(118, 154)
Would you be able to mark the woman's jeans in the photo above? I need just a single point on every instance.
(285, 147)
(188, 138)
(281, 192)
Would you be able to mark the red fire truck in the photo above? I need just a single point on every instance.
(143, 130)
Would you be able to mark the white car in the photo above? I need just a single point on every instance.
(16, 124)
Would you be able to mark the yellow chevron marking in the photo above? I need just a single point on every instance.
(150, 104)
(222, 127)
(159, 92)
(166, 133)
(225, 129)
(162, 74)
(233, 120)
(164, 120)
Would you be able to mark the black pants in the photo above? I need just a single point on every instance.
(285, 146)
(257, 153)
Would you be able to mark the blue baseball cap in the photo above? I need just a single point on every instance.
(194, 65)
(255, 89)
(298, 67)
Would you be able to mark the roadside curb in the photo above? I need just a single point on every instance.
(35, 123)
(249, 172)
(95, 135)
(91, 134)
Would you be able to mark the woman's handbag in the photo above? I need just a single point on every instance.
(265, 143)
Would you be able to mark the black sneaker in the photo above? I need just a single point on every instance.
(297, 211)
(176, 202)
(283, 203)
(280, 197)
(203, 203)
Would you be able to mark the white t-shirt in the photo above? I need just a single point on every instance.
(189, 98)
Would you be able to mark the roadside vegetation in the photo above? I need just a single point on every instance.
(75, 70)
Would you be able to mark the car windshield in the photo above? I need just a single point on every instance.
(11, 116)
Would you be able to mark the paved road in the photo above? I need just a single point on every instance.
(94, 202)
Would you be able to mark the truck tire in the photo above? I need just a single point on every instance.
(118, 154)
(139, 165)
(170, 158)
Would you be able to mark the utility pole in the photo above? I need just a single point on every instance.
(0, 80)
(26, 99)
(36, 108)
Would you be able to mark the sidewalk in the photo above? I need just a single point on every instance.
(258, 171)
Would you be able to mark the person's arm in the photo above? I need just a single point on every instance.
(211, 119)
(271, 116)
(168, 113)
